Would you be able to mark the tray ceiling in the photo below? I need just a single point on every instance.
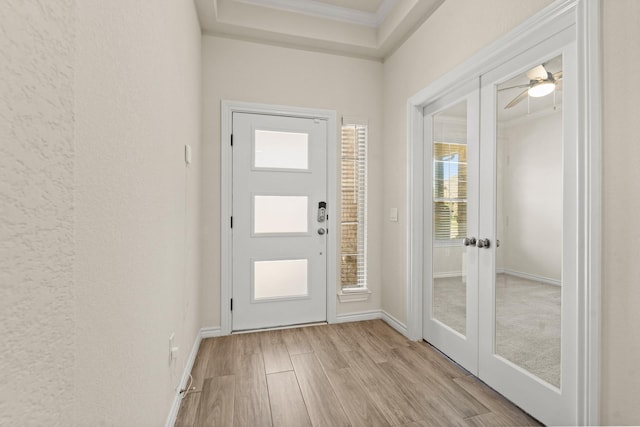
(362, 28)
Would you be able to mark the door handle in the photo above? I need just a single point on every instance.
(321, 231)
(484, 243)
(322, 211)
(469, 241)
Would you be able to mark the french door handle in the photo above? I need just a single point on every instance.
(484, 243)
(469, 241)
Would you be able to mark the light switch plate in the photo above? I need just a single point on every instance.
(393, 215)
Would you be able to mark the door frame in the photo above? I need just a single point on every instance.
(561, 14)
(227, 108)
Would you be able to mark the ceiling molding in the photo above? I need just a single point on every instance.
(329, 11)
(384, 10)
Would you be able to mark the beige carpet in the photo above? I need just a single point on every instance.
(527, 320)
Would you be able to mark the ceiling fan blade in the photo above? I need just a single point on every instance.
(518, 99)
(512, 87)
(557, 76)
(537, 73)
(558, 84)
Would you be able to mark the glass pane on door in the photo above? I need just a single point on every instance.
(528, 280)
(280, 279)
(281, 150)
(449, 196)
(280, 214)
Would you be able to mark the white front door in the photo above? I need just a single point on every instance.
(279, 221)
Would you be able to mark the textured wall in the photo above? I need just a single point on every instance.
(137, 96)
(241, 71)
(466, 27)
(621, 204)
(36, 212)
(99, 243)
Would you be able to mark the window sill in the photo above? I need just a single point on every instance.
(354, 295)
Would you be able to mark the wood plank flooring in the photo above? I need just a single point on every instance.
(349, 374)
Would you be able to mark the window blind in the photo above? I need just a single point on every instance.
(449, 190)
(354, 206)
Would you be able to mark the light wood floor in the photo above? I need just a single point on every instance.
(350, 374)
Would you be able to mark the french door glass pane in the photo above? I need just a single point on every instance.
(449, 197)
(528, 281)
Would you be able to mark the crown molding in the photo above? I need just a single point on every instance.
(329, 11)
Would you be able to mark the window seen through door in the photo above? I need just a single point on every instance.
(353, 269)
(449, 190)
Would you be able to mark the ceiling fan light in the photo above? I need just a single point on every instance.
(539, 90)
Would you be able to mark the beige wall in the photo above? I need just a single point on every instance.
(621, 204)
(100, 247)
(36, 213)
(242, 71)
(458, 29)
(137, 103)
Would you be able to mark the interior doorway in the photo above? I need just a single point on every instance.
(501, 209)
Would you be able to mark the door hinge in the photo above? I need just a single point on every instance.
(231, 304)
(232, 140)
(231, 222)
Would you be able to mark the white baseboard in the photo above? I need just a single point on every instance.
(210, 332)
(358, 316)
(446, 274)
(372, 315)
(394, 323)
(175, 407)
(533, 277)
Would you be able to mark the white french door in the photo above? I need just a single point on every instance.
(529, 211)
(451, 131)
(279, 221)
(502, 240)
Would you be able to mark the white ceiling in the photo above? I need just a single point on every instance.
(362, 28)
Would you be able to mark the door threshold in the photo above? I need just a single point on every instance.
(277, 328)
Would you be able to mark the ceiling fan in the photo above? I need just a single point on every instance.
(541, 83)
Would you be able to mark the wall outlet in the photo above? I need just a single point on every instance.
(187, 154)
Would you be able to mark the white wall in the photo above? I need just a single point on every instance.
(531, 202)
(458, 29)
(242, 71)
(137, 103)
(36, 213)
(621, 204)
(100, 247)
